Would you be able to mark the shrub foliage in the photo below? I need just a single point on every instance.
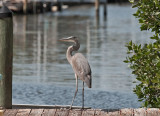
(145, 59)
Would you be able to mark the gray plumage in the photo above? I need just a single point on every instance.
(81, 68)
(79, 64)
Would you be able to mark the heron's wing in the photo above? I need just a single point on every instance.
(82, 68)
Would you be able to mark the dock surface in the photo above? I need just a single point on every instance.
(80, 112)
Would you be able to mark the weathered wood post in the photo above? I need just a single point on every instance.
(97, 12)
(97, 7)
(25, 2)
(6, 55)
(105, 9)
(59, 5)
(34, 7)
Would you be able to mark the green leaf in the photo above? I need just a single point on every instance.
(146, 103)
(126, 61)
(144, 27)
(131, 1)
(130, 43)
(129, 48)
(158, 64)
(141, 21)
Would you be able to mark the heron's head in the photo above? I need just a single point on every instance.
(69, 39)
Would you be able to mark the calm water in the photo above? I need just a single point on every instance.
(41, 73)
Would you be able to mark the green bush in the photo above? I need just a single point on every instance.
(145, 59)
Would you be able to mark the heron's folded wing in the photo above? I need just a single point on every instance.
(81, 66)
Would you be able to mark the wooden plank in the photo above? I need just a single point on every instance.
(97, 112)
(58, 112)
(153, 112)
(103, 113)
(49, 112)
(75, 112)
(62, 112)
(113, 112)
(10, 112)
(89, 112)
(140, 112)
(80, 112)
(65, 112)
(36, 112)
(23, 112)
(126, 112)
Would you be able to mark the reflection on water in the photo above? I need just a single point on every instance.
(39, 58)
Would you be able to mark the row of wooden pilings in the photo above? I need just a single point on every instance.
(97, 9)
(40, 6)
(59, 5)
(27, 6)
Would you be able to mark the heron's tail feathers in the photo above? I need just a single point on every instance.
(88, 81)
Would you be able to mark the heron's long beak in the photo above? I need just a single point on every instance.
(68, 39)
(64, 39)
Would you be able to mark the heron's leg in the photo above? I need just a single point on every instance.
(83, 96)
(75, 91)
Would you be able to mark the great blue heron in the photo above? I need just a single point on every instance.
(80, 66)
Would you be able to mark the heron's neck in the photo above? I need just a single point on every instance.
(76, 45)
(71, 49)
(69, 53)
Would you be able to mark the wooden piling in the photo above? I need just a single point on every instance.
(97, 7)
(25, 2)
(59, 5)
(6, 54)
(105, 9)
(34, 7)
